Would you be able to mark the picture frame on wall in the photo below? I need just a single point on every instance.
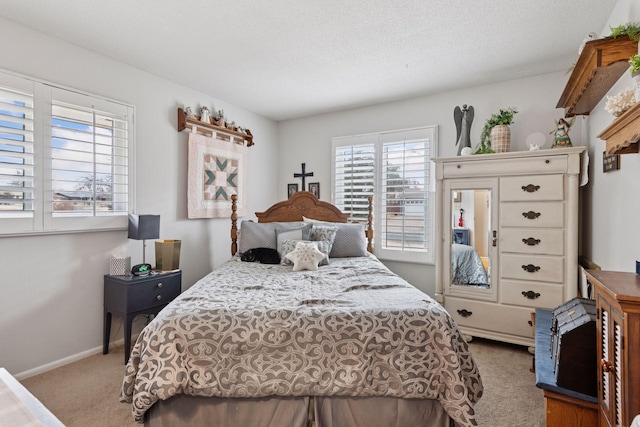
(291, 189)
(314, 188)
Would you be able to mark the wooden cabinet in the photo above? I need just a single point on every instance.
(528, 233)
(622, 135)
(617, 298)
(599, 66)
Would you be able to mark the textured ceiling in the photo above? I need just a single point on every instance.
(291, 58)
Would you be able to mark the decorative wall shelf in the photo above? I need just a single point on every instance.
(599, 66)
(622, 136)
(219, 132)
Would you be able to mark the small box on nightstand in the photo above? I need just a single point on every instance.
(120, 266)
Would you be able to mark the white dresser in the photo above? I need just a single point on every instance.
(521, 210)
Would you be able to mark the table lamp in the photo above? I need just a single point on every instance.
(143, 227)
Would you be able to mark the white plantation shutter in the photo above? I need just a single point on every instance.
(16, 153)
(404, 190)
(354, 177)
(394, 167)
(89, 161)
(65, 159)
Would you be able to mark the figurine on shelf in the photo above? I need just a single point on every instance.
(219, 119)
(561, 133)
(205, 115)
(590, 36)
(189, 112)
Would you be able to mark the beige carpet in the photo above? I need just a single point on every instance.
(85, 393)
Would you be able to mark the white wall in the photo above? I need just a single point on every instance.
(612, 201)
(51, 288)
(308, 140)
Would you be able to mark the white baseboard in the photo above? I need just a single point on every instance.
(66, 360)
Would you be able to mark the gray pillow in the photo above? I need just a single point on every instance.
(257, 235)
(350, 239)
(323, 233)
(262, 235)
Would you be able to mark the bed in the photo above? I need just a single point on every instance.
(467, 268)
(346, 344)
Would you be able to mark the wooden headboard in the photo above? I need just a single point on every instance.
(300, 204)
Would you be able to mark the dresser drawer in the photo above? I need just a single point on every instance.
(528, 214)
(531, 294)
(157, 291)
(490, 317)
(532, 187)
(545, 241)
(476, 166)
(538, 268)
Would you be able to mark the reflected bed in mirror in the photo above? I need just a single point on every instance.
(467, 268)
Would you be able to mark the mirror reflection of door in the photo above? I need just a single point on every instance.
(471, 238)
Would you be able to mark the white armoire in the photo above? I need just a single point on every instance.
(519, 213)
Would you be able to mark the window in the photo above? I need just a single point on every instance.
(394, 168)
(64, 159)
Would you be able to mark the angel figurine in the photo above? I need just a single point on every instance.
(463, 119)
(189, 112)
(205, 114)
(561, 133)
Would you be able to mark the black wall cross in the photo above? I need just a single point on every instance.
(303, 175)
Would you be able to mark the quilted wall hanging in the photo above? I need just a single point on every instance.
(217, 170)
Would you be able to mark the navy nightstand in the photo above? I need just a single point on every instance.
(129, 296)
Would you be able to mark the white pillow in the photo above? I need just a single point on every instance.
(305, 256)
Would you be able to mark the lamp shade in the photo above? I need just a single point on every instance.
(142, 227)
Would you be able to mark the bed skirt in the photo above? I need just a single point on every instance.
(184, 410)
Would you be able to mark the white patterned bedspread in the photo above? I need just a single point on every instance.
(352, 328)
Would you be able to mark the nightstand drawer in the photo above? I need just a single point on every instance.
(159, 290)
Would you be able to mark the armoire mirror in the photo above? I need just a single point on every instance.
(471, 238)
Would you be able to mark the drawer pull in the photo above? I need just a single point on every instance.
(464, 312)
(159, 285)
(530, 188)
(159, 297)
(606, 365)
(530, 268)
(530, 294)
(531, 214)
(531, 241)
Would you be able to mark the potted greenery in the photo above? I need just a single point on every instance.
(630, 29)
(496, 133)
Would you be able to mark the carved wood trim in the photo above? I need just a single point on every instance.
(623, 134)
(599, 66)
(302, 203)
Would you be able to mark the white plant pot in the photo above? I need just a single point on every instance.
(500, 136)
